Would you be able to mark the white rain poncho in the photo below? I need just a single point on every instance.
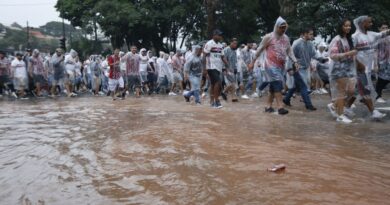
(165, 70)
(36, 61)
(194, 67)
(58, 66)
(304, 51)
(70, 63)
(366, 43)
(384, 58)
(19, 71)
(277, 49)
(340, 66)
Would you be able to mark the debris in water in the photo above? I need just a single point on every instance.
(277, 168)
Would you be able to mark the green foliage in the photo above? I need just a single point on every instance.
(160, 23)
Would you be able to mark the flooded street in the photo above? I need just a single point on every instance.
(160, 150)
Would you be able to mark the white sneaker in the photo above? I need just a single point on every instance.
(324, 91)
(381, 100)
(255, 95)
(172, 94)
(349, 112)
(343, 119)
(6, 92)
(317, 92)
(73, 93)
(14, 95)
(377, 115)
(244, 97)
(101, 93)
(204, 95)
(332, 110)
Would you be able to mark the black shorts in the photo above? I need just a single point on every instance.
(39, 79)
(275, 86)
(134, 81)
(214, 76)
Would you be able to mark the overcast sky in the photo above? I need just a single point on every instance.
(36, 12)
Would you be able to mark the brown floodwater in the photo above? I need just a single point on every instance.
(160, 150)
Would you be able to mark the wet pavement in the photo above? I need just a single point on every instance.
(160, 150)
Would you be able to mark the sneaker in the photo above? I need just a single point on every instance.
(218, 105)
(282, 111)
(255, 95)
(286, 103)
(332, 110)
(14, 95)
(186, 98)
(324, 91)
(6, 92)
(377, 115)
(244, 97)
(172, 94)
(343, 119)
(24, 98)
(74, 94)
(235, 100)
(349, 112)
(213, 105)
(311, 108)
(269, 110)
(198, 103)
(224, 97)
(380, 100)
(101, 93)
(204, 95)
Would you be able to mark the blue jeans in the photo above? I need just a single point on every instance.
(194, 93)
(299, 83)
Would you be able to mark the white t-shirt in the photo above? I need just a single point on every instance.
(19, 68)
(214, 60)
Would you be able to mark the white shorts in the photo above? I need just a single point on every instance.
(113, 83)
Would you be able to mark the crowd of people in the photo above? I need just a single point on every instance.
(345, 68)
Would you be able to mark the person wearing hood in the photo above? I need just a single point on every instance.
(366, 42)
(70, 66)
(37, 72)
(193, 70)
(20, 77)
(322, 68)
(95, 74)
(143, 68)
(164, 74)
(57, 61)
(247, 74)
(383, 64)
(277, 48)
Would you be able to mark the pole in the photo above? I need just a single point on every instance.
(63, 33)
(28, 36)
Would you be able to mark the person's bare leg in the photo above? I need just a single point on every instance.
(369, 103)
(279, 100)
(217, 91)
(181, 86)
(270, 99)
(339, 105)
(38, 87)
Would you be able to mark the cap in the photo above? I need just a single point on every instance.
(217, 32)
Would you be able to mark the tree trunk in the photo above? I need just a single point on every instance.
(211, 18)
